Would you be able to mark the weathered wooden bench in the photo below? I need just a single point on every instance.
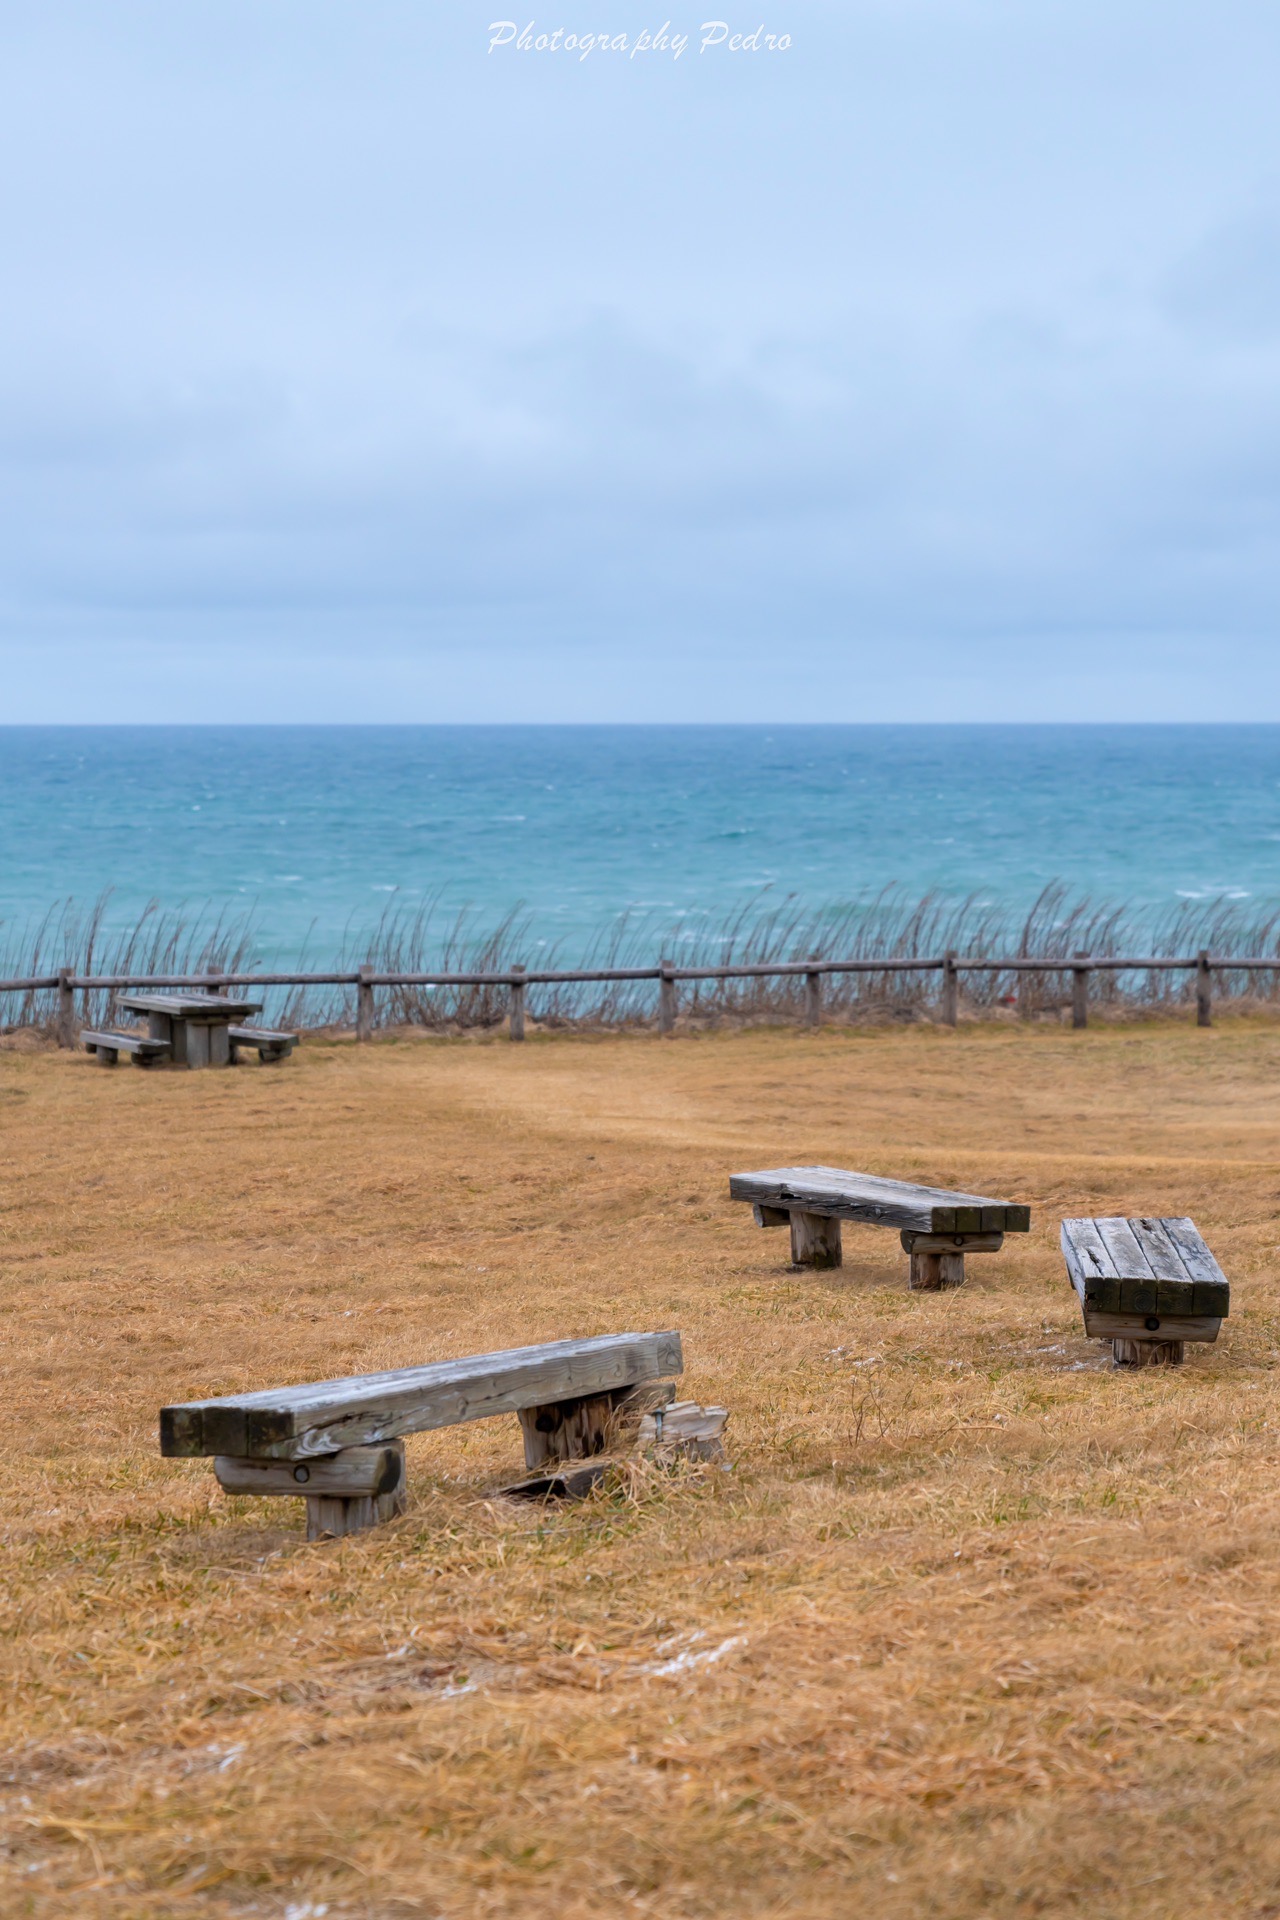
(937, 1227)
(339, 1443)
(109, 1046)
(1146, 1285)
(270, 1044)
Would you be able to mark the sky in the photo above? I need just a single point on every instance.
(353, 367)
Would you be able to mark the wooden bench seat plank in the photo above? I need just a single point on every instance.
(1199, 1262)
(261, 1037)
(877, 1201)
(326, 1416)
(123, 1042)
(1128, 1261)
(1162, 1253)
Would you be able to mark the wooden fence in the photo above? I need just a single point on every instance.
(517, 980)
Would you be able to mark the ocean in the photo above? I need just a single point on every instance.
(313, 833)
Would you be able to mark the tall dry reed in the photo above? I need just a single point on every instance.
(434, 938)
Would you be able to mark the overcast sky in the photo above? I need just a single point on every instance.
(926, 368)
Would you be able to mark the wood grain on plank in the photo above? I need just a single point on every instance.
(324, 1416)
(876, 1201)
(356, 1471)
(1144, 1266)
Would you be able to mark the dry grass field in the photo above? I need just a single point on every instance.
(975, 1625)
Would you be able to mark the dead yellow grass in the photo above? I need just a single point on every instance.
(975, 1626)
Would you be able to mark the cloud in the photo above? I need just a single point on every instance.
(958, 331)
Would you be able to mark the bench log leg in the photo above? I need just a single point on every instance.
(815, 1240)
(197, 1043)
(567, 1429)
(1147, 1353)
(331, 1517)
(934, 1272)
(219, 1047)
(107, 1056)
(937, 1259)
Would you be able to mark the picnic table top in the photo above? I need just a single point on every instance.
(879, 1202)
(182, 1006)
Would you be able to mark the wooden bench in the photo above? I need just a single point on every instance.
(339, 1443)
(109, 1046)
(1146, 1285)
(270, 1045)
(937, 1227)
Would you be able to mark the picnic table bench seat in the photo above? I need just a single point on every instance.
(340, 1443)
(271, 1044)
(937, 1227)
(1147, 1285)
(108, 1047)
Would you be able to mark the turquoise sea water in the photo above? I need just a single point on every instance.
(317, 830)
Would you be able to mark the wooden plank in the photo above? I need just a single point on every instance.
(1127, 1257)
(325, 1416)
(356, 1471)
(124, 1042)
(262, 1037)
(1160, 1250)
(1089, 1264)
(686, 1430)
(875, 1201)
(951, 1242)
(1195, 1255)
(571, 1481)
(1144, 1266)
(1132, 1326)
(184, 1005)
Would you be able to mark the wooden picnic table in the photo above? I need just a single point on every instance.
(196, 1025)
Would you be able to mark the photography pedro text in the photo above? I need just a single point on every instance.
(712, 33)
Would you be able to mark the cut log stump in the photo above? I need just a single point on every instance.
(1147, 1353)
(815, 1240)
(330, 1517)
(935, 1272)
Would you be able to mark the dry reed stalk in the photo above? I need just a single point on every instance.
(434, 938)
(975, 1625)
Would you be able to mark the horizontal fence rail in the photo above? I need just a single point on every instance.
(667, 975)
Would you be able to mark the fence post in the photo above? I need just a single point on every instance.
(813, 997)
(1204, 990)
(950, 989)
(364, 1004)
(66, 1009)
(517, 1005)
(1080, 994)
(666, 996)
